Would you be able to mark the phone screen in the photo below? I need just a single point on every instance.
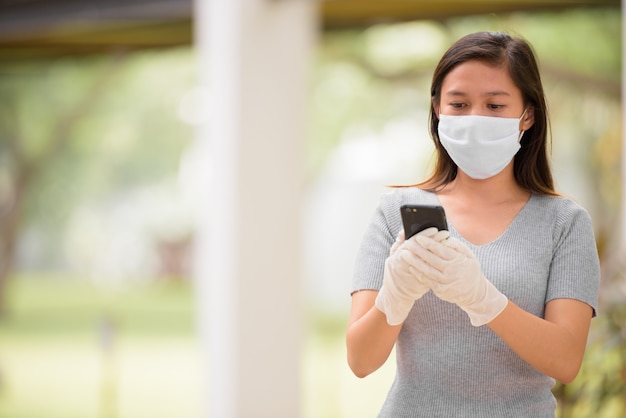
(416, 218)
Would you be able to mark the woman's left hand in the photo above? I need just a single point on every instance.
(454, 274)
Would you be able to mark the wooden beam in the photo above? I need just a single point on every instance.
(341, 14)
(45, 28)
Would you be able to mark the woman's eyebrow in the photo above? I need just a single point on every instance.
(455, 93)
(497, 93)
(489, 93)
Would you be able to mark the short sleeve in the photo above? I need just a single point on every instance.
(374, 249)
(575, 268)
(380, 235)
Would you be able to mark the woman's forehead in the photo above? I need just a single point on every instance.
(478, 78)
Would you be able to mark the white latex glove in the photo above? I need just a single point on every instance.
(454, 274)
(402, 287)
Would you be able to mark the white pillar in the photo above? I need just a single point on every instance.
(254, 56)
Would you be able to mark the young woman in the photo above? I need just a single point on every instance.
(485, 320)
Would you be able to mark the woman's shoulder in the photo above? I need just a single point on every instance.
(562, 204)
(561, 209)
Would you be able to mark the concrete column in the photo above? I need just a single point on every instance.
(254, 57)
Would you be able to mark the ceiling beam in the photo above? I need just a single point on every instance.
(46, 28)
(359, 13)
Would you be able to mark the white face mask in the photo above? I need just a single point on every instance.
(481, 146)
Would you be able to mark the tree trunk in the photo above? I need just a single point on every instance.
(11, 218)
(9, 228)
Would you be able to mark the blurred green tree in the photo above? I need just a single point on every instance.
(34, 128)
(78, 128)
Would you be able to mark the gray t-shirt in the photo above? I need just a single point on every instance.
(445, 366)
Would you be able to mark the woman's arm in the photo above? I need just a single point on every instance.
(369, 338)
(376, 317)
(555, 345)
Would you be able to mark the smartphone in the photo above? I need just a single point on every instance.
(416, 218)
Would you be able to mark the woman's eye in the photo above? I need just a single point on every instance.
(495, 106)
(457, 105)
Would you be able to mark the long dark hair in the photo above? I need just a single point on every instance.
(531, 166)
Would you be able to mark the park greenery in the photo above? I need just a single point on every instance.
(88, 144)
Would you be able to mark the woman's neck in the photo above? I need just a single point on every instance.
(498, 189)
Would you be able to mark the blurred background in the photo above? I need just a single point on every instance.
(97, 200)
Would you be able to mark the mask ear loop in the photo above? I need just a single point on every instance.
(519, 139)
(522, 117)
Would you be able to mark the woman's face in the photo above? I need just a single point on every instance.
(475, 88)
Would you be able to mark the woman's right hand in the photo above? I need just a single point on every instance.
(401, 285)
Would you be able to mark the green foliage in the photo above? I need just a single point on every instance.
(135, 135)
(130, 134)
(600, 388)
(364, 79)
(586, 41)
